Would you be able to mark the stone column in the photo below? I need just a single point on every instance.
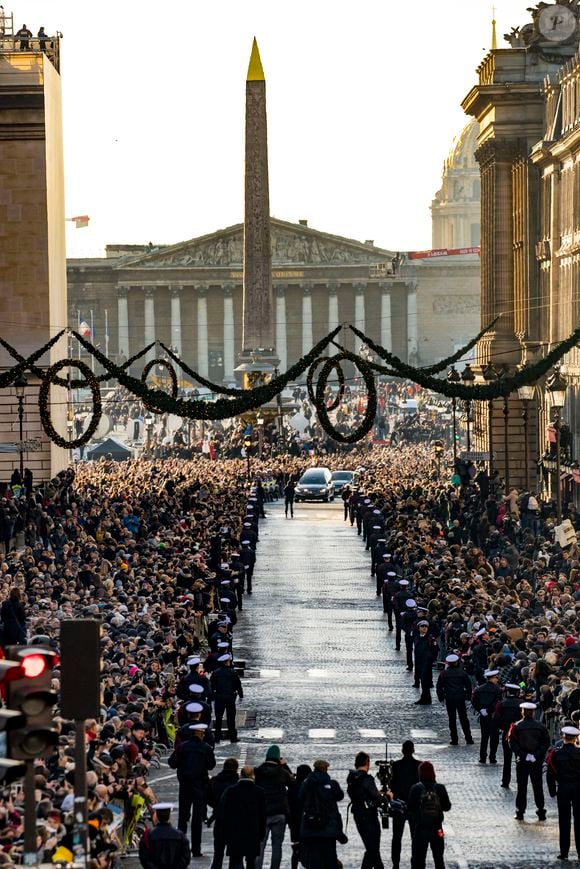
(332, 308)
(176, 319)
(229, 334)
(307, 340)
(123, 321)
(150, 320)
(412, 332)
(359, 313)
(496, 159)
(281, 346)
(202, 336)
(386, 322)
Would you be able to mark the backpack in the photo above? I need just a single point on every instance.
(316, 813)
(430, 805)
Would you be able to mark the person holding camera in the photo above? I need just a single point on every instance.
(405, 775)
(365, 800)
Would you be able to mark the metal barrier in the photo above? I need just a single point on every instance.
(10, 44)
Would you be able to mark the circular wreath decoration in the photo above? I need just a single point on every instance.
(50, 378)
(371, 408)
(172, 376)
(339, 373)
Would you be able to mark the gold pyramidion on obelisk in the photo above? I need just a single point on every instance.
(258, 323)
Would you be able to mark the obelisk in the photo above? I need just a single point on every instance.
(258, 309)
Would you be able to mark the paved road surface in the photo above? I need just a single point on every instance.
(324, 680)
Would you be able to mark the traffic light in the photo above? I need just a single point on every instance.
(10, 770)
(28, 695)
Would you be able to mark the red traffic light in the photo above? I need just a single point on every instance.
(33, 666)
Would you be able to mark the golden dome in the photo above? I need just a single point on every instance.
(461, 155)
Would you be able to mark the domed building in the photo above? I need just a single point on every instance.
(455, 211)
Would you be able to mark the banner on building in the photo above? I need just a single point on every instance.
(443, 251)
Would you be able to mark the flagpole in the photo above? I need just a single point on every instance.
(79, 330)
(93, 340)
(106, 333)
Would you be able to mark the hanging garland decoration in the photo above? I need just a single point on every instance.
(371, 408)
(172, 376)
(339, 373)
(60, 381)
(213, 387)
(480, 392)
(455, 357)
(25, 364)
(250, 399)
(48, 379)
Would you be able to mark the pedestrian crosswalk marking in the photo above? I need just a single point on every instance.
(269, 674)
(270, 733)
(372, 734)
(418, 733)
(322, 733)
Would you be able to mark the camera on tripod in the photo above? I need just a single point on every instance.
(389, 807)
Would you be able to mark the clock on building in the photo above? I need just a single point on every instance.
(556, 23)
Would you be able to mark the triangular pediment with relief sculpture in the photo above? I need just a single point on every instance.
(292, 244)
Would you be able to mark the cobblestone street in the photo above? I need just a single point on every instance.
(323, 680)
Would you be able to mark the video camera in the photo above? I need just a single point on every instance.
(389, 807)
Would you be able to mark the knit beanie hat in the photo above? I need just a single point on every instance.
(426, 771)
(273, 753)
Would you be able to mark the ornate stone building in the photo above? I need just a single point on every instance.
(455, 210)
(189, 295)
(526, 101)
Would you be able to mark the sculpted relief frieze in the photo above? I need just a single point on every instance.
(287, 248)
(456, 305)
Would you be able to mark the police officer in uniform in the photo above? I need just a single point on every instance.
(390, 587)
(399, 599)
(563, 778)
(408, 621)
(529, 740)
(507, 713)
(365, 800)
(453, 689)
(226, 686)
(193, 759)
(425, 653)
(485, 699)
(164, 847)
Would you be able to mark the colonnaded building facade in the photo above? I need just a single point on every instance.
(421, 305)
(526, 100)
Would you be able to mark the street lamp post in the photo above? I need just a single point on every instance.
(454, 377)
(526, 394)
(556, 386)
(439, 449)
(503, 372)
(247, 447)
(70, 424)
(489, 375)
(148, 429)
(260, 422)
(468, 377)
(20, 385)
